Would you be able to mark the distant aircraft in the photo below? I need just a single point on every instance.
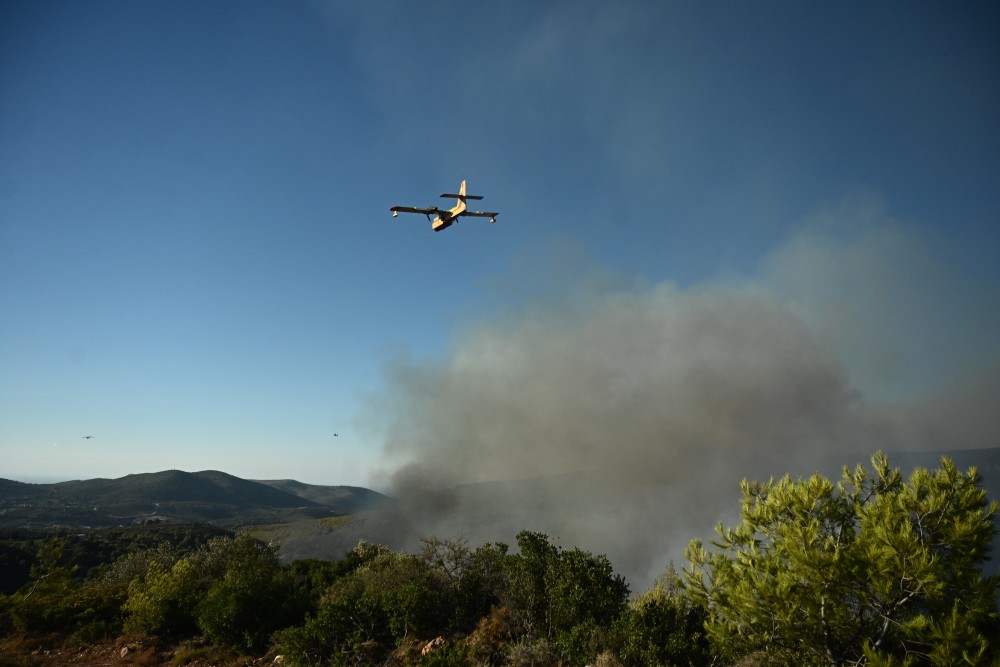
(87, 437)
(445, 218)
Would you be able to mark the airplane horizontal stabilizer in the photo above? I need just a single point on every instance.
(463, 196)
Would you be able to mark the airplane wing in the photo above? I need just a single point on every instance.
(481, 214)
(412, 209)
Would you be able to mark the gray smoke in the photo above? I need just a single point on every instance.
(621, 420)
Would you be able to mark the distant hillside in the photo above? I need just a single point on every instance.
(173, 496)
(175, 486)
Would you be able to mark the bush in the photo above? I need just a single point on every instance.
(531, 653)
(663, 628)
(450, 655)
(253, 598)
(389, 597)
(570, 598)
(163, 603)
(54, 602)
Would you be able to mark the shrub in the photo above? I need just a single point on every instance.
(663, 628)
(253, 598)
(163, 603)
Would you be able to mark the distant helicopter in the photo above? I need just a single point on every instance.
(445, 218)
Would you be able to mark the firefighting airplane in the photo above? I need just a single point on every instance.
(445, 218)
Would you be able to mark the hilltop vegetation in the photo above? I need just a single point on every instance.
(93, 549)
(877, 569)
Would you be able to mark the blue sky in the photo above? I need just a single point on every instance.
(198, 266)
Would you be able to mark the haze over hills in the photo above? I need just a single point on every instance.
(350, 498)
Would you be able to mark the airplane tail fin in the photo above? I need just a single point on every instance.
(461, 196)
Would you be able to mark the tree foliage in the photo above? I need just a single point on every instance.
(388, 597)
(47, 602)
(568, 598)
(562, 599)
(253, 597)
(233, 590)
(872, 570)
(663, 627)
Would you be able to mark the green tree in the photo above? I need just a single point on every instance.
(254, 597)
(663, 627)
(390, 596)
(54, 600)
(570, 598)
(134, 565)
(873, 570)
(164, 601)
(232, 589)
(481, 585)
(52, 574)
(526, 594)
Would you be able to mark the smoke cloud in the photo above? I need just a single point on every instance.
(621, 419)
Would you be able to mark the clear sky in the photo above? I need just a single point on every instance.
(198, 266)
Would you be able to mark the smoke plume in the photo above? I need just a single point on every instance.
(621, 419)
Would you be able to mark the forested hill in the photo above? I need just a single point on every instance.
(173, 495)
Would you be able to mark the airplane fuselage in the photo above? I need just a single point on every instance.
(438, 224)
(445, 219)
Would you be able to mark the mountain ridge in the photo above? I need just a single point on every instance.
(207, 496)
